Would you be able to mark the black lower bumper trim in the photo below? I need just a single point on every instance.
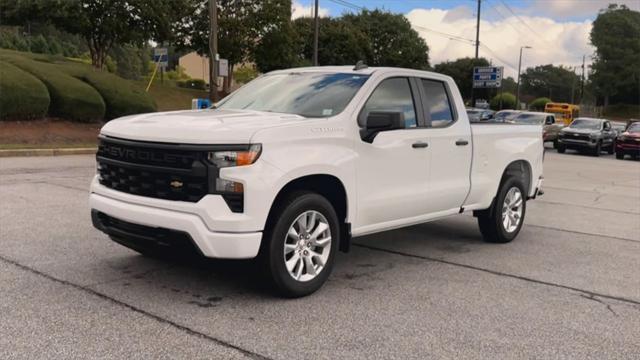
(145, 239)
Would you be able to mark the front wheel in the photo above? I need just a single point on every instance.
(611, 149)
(619, 155)
(561, 148)
(598, 149)
(300, 244)
(502, 222)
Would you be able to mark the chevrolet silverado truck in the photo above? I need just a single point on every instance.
(292, 166)
(589, 135)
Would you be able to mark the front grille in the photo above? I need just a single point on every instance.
(574, 136)
(160, 171)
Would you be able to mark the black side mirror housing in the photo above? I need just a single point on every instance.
(377, 121)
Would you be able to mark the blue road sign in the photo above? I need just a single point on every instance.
(487, 76)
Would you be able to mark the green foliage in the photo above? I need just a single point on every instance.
(555, 82)
(244, 74)
(461, 70)
(539, 103)
(177, 74)
(508, 101)
(623, 111)
(616, 66)
(80, 93)
(390, 39)
(22, 95)
(197, 84)
(39, 45)
(70, 98)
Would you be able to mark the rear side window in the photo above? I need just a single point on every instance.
(392, 95)
(438, 105)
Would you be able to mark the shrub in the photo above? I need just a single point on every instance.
(508, 101)
(244, 74)
(71, 98)
(539, 103)
(197, 84)
(22, 95)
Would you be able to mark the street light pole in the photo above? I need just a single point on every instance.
(213, 51)
(518, 84)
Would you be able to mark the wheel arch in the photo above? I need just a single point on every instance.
(328, 186)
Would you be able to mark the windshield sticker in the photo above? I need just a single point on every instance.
(327, 112)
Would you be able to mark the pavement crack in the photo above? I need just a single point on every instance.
(583, 233)
(133, 308)
(593, 298)
(499, 273)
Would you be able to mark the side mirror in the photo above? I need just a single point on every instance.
(486, 116)
(377, 121)
(549, 121)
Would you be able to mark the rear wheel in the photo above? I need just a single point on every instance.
(611, 149)
(502, 222)
(555, 143)
(561, 148)
(300, 244)
(619, 155)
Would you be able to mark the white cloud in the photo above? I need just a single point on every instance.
(574, 8)
(553, 42)
(299, 10)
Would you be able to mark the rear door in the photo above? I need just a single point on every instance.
(450, 145)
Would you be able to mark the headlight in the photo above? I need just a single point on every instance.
(224, 159)
(593, 136)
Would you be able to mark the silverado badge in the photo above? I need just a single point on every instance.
(176, 184)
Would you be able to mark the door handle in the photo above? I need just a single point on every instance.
(462, 142)
(420, 145)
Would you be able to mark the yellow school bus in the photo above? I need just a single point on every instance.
(564, 111)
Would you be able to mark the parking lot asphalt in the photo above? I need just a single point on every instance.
(567, 287)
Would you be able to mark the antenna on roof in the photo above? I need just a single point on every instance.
(360, 65)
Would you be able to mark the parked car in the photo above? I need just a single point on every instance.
(482, 104)
(550, 128)
(505, 115)
(479, 115)
(291, 175)
(587, 134)
(628, 143)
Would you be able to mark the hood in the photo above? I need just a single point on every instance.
(209, 126)
(580, 131)
(631, 134)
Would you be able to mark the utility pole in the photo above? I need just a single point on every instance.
(582, 82)
(477, 28)
(213, 51)
(473, 92)
(573, 86)
(315, 34)
(518, 84)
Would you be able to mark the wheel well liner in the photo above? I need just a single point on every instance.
(328, 186)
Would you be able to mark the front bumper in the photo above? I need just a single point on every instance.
(577, 144)
(627, 148)
(227, 245)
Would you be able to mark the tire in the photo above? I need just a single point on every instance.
(598, 149)
(491, 223)
(561, 148)
(555, 143)
(619, 156)
(277, 235)
(611, 149)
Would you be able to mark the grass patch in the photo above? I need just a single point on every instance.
(22, 95)
(171, 98)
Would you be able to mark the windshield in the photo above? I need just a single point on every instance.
(634, 128)
(307, 94)
(531, 119)
(588, 124)
(505, 115)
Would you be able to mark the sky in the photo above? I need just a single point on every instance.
(556, 30)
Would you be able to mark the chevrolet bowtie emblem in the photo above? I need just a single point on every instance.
(176, 184)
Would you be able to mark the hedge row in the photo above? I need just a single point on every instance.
(71, 98)
(22, 95)
(77, 91)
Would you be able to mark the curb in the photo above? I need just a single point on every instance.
(47, 152)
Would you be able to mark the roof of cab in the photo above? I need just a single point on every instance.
(349, 69)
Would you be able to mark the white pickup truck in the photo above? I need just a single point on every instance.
(294, 164)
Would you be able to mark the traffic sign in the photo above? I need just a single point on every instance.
(161, 56)
(223, 67)
(487, 76)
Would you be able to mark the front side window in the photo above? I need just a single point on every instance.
(438, 105)
(309, 94)
(392, 95)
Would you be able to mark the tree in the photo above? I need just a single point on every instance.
(616, 67)
(241, 25)
(390, 40)
(539, 103)
(559, 83)
(461, 70)
(508, 101)
(101, 23)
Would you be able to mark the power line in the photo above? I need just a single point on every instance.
(348, 5)
(447, 35)
(488, 49)
(522, 21)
